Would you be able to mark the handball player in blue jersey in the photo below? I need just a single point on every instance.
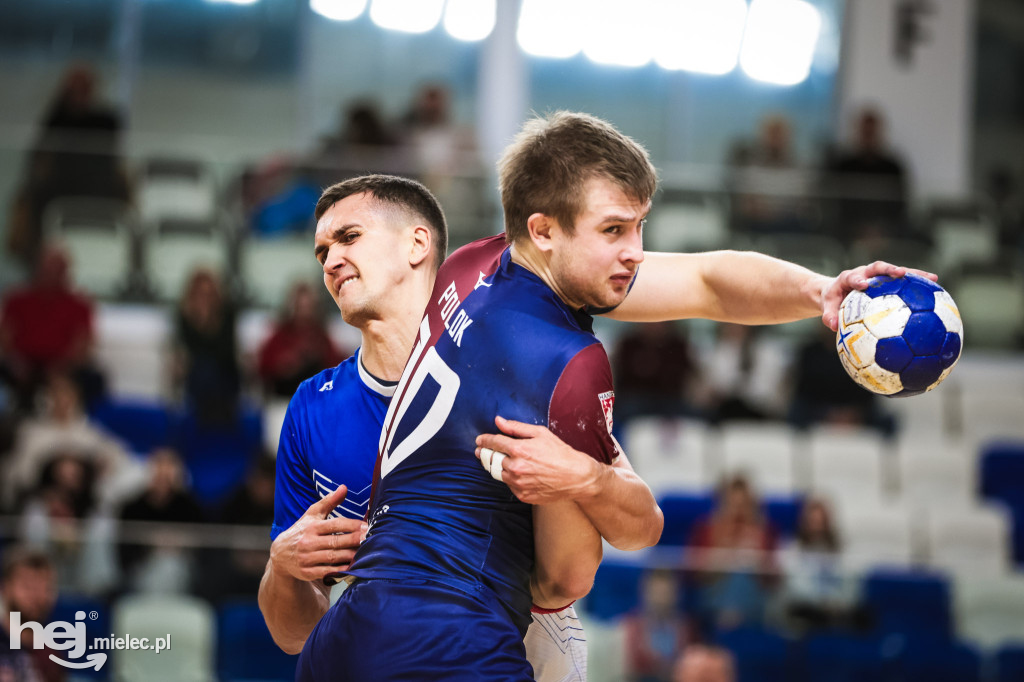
(444, 580)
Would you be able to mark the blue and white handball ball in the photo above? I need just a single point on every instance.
(899, 337)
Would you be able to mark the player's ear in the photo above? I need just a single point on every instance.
(540, 228)
(420, 244)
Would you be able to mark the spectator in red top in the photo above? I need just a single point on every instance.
(298, 347)
(47, 327)
(654, 372)
(733, 554)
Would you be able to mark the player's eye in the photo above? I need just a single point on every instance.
(614, 229)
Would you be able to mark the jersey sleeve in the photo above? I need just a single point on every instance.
(580, 412)
(294, 488)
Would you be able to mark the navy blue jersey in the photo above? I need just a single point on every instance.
(495, 340)
(330, 434)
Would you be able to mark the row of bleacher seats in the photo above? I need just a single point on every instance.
(904, 503)
(925, 628)
(229, 643)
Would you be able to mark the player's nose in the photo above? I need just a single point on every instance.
(633, 250)
(335, 258)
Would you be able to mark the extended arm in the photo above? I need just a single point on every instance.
(540, 468)
(742, 287)
(292, 594)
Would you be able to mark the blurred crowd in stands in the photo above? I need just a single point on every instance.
(80, 498)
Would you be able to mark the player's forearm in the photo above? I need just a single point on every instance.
(291, 608)
(568, 552)
(730, 286)
(622, 508)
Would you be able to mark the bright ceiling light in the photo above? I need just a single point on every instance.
(779, 43)
(619, 33)
(470, 19)
(339, 10)
(409, 16)
(552, 28)
(234, 2)
(699, 35)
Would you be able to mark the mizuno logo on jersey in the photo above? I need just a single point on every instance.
(327, 386)
(480, 282)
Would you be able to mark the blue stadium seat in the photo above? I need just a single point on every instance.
(66, 608)
(1010, 663)
(909, 602)
(142, 426)
(760, 656)
(245, 648)
(1002, 479)
(218, 458)
(784, 514)
(840, 658)
(681, 513)
(937, 659)
(616, 590)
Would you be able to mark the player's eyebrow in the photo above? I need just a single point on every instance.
(336, 234)
(621, 219)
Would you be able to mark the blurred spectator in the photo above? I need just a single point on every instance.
(166, 499)
(769, 189)
(733, 562)
(657, 632)
(702, 663)
(299, 345)
(870, 183)
(440, 147)
(63, 429)
(364, 143)
(654, 368)
(1007, 206)
(206, 349)
(28, 586)
(824, 393)
(818, 594)
(237, 572)
(76, 155)
(45, 327)
(736, 376)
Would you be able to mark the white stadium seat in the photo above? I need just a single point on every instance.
(974, 541)
(766, 453)
(669, 454)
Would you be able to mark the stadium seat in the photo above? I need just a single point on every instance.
(989, 611)
(616, 590)
(606, 650)
(273, 420)
(132, 348)
(218, 458)
(783, 513)
(143, 426)
(992, 307)
(100, 235)
(841, 658)
(962, 238)
(245, 649)
(766, 453)
(909, 602)
(760, 656)
(936, 476)
(1009, 663)
(188, 620)
(992, 418)
(67, 607)
(846, 462)
(876, 535)
(669, 454)
(272, 265)
(972, 540)
(681, 512)
(938, 659)
(698, 225)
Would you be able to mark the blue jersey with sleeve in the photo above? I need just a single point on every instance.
(495, 340)
(329, 437)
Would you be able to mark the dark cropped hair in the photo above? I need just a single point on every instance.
(393, 192)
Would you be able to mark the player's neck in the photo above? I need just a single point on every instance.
(388, 341)
(537, 262)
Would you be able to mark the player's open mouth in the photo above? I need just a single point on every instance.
(346, 281)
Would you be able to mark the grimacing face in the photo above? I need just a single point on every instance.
(595, 265)
(361, 256)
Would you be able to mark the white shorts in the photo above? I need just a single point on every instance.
(556, 646)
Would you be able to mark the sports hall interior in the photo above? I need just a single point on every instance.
(160, 161)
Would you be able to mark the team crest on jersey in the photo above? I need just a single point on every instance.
(607, 402)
